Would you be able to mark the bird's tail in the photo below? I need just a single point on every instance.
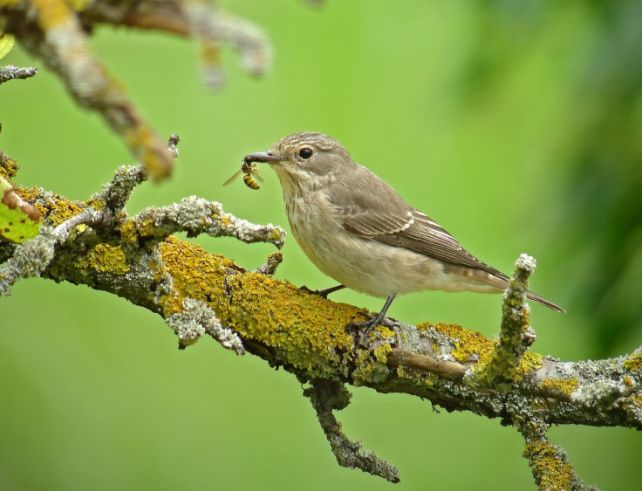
(500, 281)
(543, 301)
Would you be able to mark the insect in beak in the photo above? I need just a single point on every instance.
(250, 173)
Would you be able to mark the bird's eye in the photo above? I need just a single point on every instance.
(305, 153)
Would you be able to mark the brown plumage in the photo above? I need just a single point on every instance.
(356, 228)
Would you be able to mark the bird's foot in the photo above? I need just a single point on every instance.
(362, 330)
(322, 293)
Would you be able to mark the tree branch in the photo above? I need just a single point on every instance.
(326, 396)
(97, 244)
(515, 335)
(548, 462)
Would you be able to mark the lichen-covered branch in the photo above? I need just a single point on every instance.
(10, 72)
(199, 292)
(32, 257)
(548, 461)
(515, 334)
(196, 216)
(327, 396)
(116, 193)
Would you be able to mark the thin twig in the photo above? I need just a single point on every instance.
(10, 72)
(197, 319)
(272, 263)
(327, 396)
(196, 216)
(548, 461)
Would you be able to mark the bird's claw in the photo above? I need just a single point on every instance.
(320, 293)
(362, 330)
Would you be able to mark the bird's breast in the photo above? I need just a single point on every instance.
(365, 265)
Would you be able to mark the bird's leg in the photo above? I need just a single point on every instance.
(323, 293)
(380, 318)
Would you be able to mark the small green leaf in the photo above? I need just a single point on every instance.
(16, 226)
(19, 220)
(6, 43)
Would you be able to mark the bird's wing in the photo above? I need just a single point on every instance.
(378, 213)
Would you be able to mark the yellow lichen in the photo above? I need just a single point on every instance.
(96, 204)
(473, 346)
(275, 235)
(632, 403)
(146, 228)
(549, 467)
(128, 232)
(58, 209)
(468, 345)
(105, 258)
(560, 387)
(308, 329)
(528, 364)
(8, 167)
(372, 366)
(633, 362)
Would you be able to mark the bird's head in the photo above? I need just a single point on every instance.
(305, 161)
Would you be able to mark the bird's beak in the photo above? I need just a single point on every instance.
(268, 157)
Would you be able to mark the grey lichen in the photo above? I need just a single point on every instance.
(198, 319)
(525, 263)
(10, 72)
(29, 259)
(196, 216)
(117, 192)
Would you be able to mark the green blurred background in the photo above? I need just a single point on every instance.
(517, 125)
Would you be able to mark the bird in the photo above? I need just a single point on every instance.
(362, 233)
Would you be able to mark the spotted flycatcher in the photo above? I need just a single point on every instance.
(357, 229)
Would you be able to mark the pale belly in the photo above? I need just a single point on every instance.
(369, 266)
